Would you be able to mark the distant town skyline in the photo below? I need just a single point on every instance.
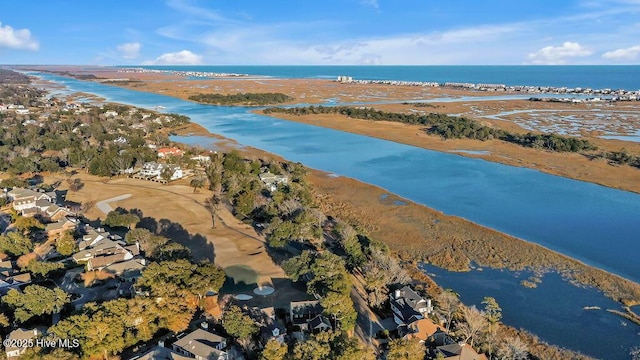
(331, 32)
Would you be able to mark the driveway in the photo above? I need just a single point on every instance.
(104, 204)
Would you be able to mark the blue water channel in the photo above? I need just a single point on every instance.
(592, 223)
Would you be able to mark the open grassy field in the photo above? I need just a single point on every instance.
(181, 215)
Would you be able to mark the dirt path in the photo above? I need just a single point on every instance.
(104, 204)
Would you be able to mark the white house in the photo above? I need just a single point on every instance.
(155, 170)
(26, 199)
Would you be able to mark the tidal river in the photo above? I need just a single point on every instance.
(597, 225)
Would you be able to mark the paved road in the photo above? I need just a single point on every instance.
(5, 220)
(104, 204)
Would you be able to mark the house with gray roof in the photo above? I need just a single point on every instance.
(300, 312)
(408, 306)
(161, 353)
(201, 345)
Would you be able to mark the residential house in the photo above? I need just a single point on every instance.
(7, 268)
(459, 351)
(13, 282)
(271, 181)
(423, 330)
(201, 345)
(128, 270)
(172, 151)
(110, 113)
(270, 327)
(93, 236)
(201, 159)
(301, 312)
(319, 323)
(120, 141)
(19, 336)
(151, 169)
(160, 352)
(106, 252)
(58, 228)
(408, 306)
(154, 170)
(23, 199)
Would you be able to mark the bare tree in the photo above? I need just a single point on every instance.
(475, 323)
(513, 349)
(448, 303)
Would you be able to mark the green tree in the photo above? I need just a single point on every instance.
(37, 353)
(238, 324)
(15, 243)
(166, 173)
(4, 320)
(207, 278)
(403, 349)
(28, 225)
(197, 182)
(492, 311)
(43, 268)
(311, 350)
(36, 300)
(118, 219)
(274, 350)
(66, 244)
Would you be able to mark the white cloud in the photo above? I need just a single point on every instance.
(17, 39)
(373, 3)
(630, 53)
(184, 57)
(129, 50)
(554, 55)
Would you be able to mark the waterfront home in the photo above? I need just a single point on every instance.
(408, 306)
(201, 345)
(201, 159)
(423, 330)
(172, 151)
(271, 181)
(458, 351)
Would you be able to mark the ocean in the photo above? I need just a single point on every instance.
(585, 76)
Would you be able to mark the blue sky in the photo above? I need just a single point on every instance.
(327, 32)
